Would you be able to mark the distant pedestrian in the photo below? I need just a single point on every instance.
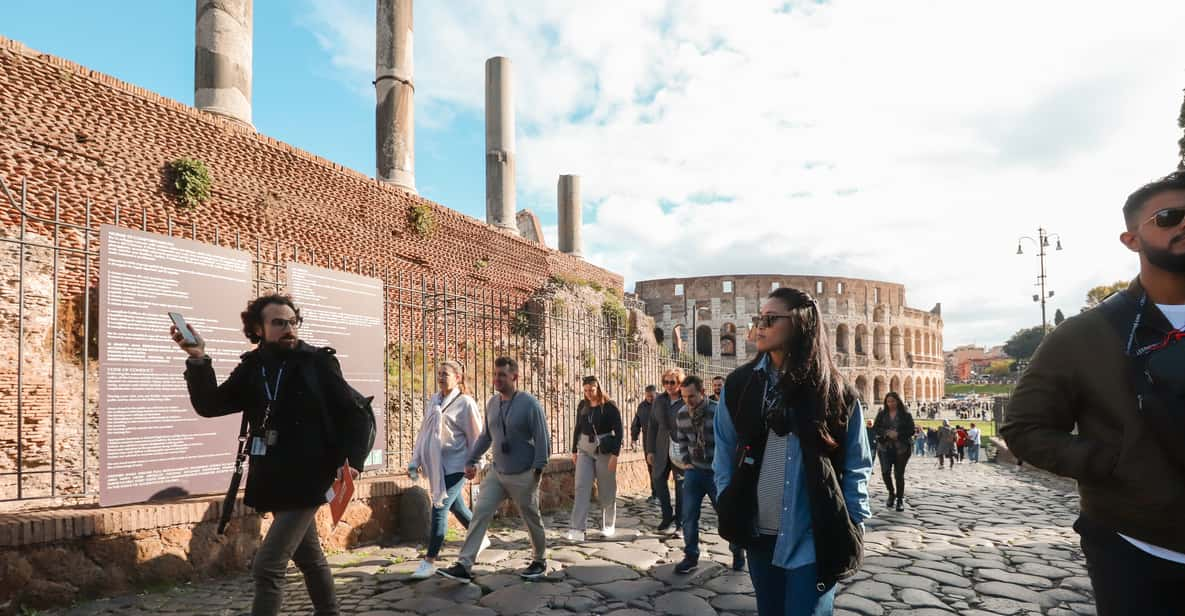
(932, 441)
(797, 496)
(960, 441)
(871, 438)
(640, 428)
(596, 443)
(973, 444)
(919, 441)
(946, 444)
(1101, 402)
(717, 386)
(894, 433)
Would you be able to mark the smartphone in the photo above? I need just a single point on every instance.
(183, 327)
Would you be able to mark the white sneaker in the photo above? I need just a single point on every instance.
(424, 571)
(574, 535)
(609, 531)
(485, 543)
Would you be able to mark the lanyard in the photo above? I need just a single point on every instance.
(270, 393)
(504, 412)
(1173, 336)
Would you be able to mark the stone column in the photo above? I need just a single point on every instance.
(394, 85)
(569, 206)
(222, 58)
(500, 144)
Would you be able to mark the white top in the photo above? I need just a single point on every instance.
(1176, 316)
(973, 436)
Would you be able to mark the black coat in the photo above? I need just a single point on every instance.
(662, 426)
(592, 420)
(641, 424)
(296, 472)
(904, 426)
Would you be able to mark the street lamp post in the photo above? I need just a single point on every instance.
(1042, 242)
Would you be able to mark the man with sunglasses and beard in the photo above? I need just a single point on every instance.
(1103, 402)
(297, 410)
(663, 417)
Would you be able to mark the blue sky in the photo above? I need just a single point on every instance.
(299, 97)
(911, 141)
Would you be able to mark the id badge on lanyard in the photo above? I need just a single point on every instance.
(260, 444)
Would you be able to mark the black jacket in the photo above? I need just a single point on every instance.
(296, 472)
(662, 426)
(839, 543)
(904, 427)
(641, 424)
(594, 420)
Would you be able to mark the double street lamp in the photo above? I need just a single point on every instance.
(1042, 242)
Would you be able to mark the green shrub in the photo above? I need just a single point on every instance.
(191, 180)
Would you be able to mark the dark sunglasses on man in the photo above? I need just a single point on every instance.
(1167, 218)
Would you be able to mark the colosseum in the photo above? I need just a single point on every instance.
(880, 344)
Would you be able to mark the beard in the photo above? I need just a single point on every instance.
(1165, 259)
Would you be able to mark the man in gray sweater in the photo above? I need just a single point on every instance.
(517, 429)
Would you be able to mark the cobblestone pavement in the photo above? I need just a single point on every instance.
(974, 540)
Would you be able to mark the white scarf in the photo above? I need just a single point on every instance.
(428, 443)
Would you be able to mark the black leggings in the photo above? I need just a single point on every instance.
(893, 468)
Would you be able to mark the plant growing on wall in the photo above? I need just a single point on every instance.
(191, 179)
(420, 218)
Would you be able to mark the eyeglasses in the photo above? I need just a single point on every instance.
(282, 323)
(670, 382)
(767, 320)
(1166, 218)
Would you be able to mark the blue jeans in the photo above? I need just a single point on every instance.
(973, 452)
(697, 483)
(920, 447)
(452, 502)
(789, 592)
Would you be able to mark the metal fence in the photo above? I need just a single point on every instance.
(49, 410)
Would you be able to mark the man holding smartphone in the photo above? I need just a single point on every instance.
(517, 429)
(296, 405)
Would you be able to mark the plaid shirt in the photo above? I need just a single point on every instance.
(696, 434)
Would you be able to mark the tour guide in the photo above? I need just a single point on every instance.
(297, 404)
(1103, 401)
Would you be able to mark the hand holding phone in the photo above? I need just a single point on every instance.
(186, 337)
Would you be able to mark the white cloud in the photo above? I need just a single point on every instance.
(910, 141)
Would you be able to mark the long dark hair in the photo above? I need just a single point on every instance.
(809, 374)
(900, 402)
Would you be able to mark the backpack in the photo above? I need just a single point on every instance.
(356, 420)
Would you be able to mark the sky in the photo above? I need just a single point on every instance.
(910, 141)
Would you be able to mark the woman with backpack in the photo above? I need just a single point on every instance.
(452, 423)
(894, 431)
(596, 443)
(792, 462)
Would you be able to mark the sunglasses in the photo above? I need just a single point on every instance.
(670, 382)
(282, 323)
(767, 320)
(1166, 218)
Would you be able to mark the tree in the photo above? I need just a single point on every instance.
(1024, 343)
(1100, 293)
(1000, 367)
(1058, 317)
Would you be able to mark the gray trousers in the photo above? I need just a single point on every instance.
(523, 489)
(592, 466)
(292, 536)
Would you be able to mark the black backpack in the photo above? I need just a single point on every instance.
(354, 428)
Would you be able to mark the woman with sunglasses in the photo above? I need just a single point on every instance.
(596, 443)
(894, 430)
(451, 426)
(792, 462)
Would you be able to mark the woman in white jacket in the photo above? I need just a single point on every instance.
(452, 423)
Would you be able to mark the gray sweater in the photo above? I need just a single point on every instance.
(525, 431)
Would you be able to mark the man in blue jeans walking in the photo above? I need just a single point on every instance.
(696, 440)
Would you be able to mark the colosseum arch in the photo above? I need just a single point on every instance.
(895, 348)
(659, 335)
(862, 388)
(923, 390)
(907, 390)
(728, 340)
(878, 390)
(861, 340)
(939, 388)
(895, 385)
(841, 338)
(878, 342)
(878, 314)
(703, 340)
(907, 341)
(917, 342)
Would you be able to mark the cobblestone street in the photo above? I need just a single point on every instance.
(974, 540)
